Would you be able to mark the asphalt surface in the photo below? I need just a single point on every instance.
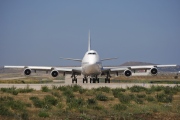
(68, 81)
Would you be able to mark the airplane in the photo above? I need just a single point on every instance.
(91, 66)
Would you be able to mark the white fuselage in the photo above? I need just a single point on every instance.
(91, 64)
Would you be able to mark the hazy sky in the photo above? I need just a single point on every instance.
(39, 32)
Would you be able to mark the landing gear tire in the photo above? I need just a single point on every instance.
(74, 80)
(107, 80)
(85, 79)
(98, 80)
(94, 80)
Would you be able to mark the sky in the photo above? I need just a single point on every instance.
(39, 32)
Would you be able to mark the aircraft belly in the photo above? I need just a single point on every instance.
(91, 70)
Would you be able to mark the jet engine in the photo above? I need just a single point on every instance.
(154, 71)
(127, 73)
(27, 71)
(54, 73)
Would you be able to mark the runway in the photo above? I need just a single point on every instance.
(86, 86)
(68, 81)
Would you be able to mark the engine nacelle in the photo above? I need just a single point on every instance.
(127, 73)
(154, 71)
(27, 71)
(54, 73)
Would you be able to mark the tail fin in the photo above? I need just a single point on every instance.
(89, 42)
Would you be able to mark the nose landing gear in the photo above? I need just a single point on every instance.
(94, 80)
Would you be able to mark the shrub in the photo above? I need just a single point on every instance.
(56, 94)
(91, 101)
(157, 88)
(138, 101)
(119, 107)
(178, 108)
(62, 88)
(60, 105)
(37, 102)
(45, 88)
(34, 98)
(141, 95)
(149, 91)
(84, 117)
(81, 91)
(28, 104)
(16, 105)
(132, 96)
(137, 89)
(164, 98)
(97, 107)
(119, 89)
(104, 89)
(25, 90)
(75, 103)
(125, 98)
(101, 97)
(4, 89)
(117, 94)
(76, 88)
(68, 93)
(6, 98)
(5, 111)
(24, 116)
(150, 98)
(43, 114)
(169, 90)
(50, 100)
(11, 90)
(90, 92)
(15, 92)
(176, 88)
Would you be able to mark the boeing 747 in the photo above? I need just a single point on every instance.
(91, 67)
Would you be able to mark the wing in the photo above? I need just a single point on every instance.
(54, 70)
(127, 70)
(108, 59)
(71, 59)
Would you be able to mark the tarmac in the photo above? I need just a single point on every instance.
(68, 81)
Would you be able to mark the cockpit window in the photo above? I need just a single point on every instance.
(91, 53)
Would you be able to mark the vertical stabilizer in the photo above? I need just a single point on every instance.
(89, 42)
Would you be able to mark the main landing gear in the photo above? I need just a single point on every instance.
(94, 80)
(74, 79)
(107, 79)
(85, 79)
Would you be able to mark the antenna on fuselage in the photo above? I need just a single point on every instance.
(89, 42)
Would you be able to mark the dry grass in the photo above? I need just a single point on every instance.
(70, 103)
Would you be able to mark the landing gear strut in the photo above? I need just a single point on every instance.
(74, 79)
(107, 79)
